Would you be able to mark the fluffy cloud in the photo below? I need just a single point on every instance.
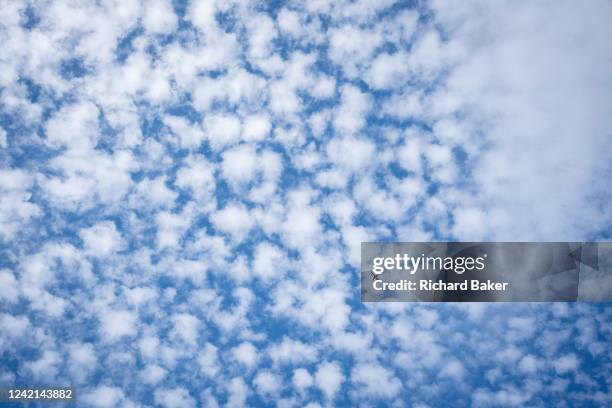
(267, 383)
(524, 96)
(329, 378)
(9, 291)
(302, 379)
(235, 220)
(350, 115)
(351, 47)
(102, 239)
(104, 397)
(116, 324)
(388, 70)
(174, 398)
(16, 209)
(159, 17)
(239, 164)
(222, 129)
(256, 127)
(375, 380)
(246, 354)
(268, 261)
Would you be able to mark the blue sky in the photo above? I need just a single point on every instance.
(184, 187)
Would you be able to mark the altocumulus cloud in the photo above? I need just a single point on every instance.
(184, 187)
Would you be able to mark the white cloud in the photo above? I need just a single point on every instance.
(324, 88)
(378, 201)
(74, 126)
(388, 71)
(239, 164)
(116, 324)
(152, 374)
(402, 26)
(409, 156)
(283, 99)
(302, 379)
(427, 57)
(203, 15)
(177, 397)
(302, 226)
(208, 360)
(245, 353)
(267, 383)
(292, 351)
(149, 347)
(350, 115)
(335, 179)
(16, 326)
(566, 363)
(9, 292)
(238, 392)
(198, 177)
(510, 396)
(470, 223)
(453, 370)
(289, 22)
(104, 397)
(535, 87)
(351, 47)
(102, 239)
(159, 17)
(190, 135)
(268, 262)
(153, 192)
(82, 359)
(441, 162)
(452, 132)
(318, 122)
(529, 364)
(46, 367)
(261, 33)
(186, 328)
(89, 177)
(3, 138)
(375, 380)
(16, 210)
(329, 378)
(140, 295)
(235, 220)
(362, 153)
(170, 228)
(222, 130)
(256, 127)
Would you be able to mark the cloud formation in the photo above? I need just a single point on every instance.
(184, 187)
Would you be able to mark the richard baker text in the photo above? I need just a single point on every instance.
(429, 285)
